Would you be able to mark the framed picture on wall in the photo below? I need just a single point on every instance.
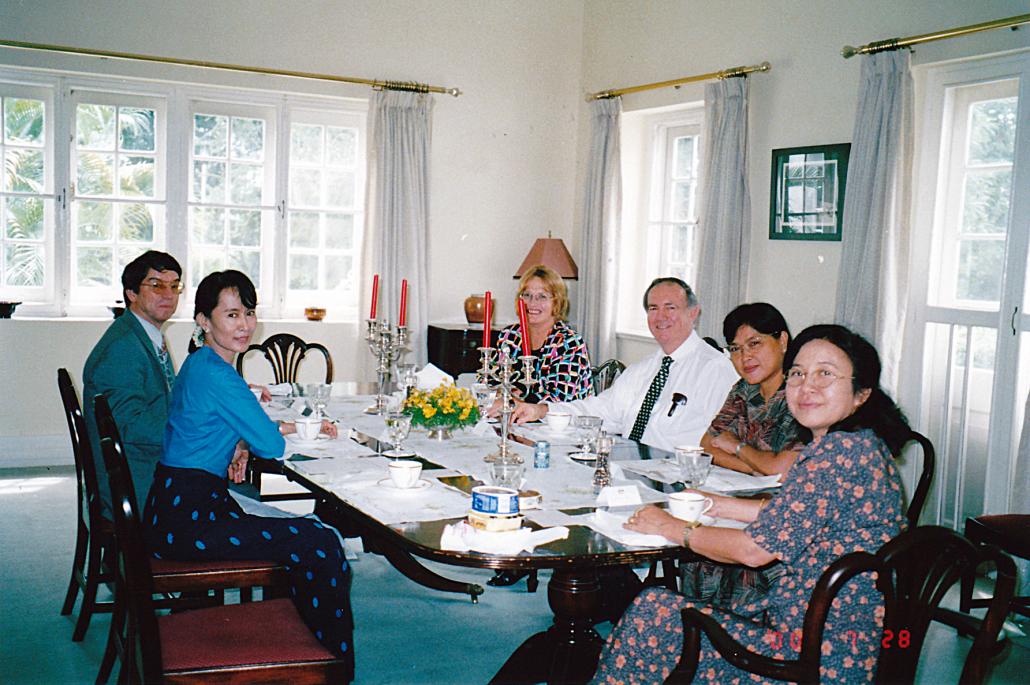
(807, 196)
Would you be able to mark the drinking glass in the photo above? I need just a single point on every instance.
(694, 466)
(484, 397)
(406, 377)
(589, 429)
(398, 425)
(318, 396)
(506, 474)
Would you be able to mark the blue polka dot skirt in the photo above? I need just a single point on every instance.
(193, 518)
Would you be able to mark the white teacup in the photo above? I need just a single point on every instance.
(689, 506)
(308, 428)
(404, 472)
(558, 421)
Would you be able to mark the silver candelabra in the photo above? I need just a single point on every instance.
(386, 342)
(499, 368)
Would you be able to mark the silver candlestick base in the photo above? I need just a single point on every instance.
(499, 368)
(387, 343)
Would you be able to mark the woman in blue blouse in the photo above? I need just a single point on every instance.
(189, 512)
(562, 367)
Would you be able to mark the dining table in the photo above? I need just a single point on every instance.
(575, 531)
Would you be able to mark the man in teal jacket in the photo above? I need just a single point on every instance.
(131, 366)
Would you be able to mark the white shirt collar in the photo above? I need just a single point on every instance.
(152, 331)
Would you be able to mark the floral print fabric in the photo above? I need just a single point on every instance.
(843, 494)
(763, 425)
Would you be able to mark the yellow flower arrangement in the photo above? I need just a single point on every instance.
(445, 406)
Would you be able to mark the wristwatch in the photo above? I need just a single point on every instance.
(740, 446)
(690, 525)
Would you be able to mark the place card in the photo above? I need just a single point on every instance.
(619, 496)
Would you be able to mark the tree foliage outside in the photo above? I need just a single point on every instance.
(22, 215)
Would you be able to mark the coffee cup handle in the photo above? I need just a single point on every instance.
(709, 503)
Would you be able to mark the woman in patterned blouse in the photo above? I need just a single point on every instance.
(562, 366)
(843, 494)
(754, 432)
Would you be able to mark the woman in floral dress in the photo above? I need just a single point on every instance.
(843, 494)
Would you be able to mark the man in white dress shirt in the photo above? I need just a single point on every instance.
(697, 376)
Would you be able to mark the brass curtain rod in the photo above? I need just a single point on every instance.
(676, 83)
(374, 83)
(895, 43)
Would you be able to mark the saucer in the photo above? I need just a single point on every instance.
(387, 483)
(317, 442)
(583, 457)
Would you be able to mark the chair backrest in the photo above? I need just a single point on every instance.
(712, 341)
(285, 351)
(90, 508)
(605, 374)
(922, 489)
(134, 582)
(914, 572)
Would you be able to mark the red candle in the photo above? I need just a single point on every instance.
(488, 310)
(375, 295)
(524, 325)
(403, 316)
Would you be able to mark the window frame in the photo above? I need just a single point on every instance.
(647, 140)
(59, 89)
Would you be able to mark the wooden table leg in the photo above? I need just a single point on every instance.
(566, 652)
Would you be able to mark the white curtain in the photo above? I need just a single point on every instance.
(397, 222)
(872, 286)
(724, 221)
(601, 208)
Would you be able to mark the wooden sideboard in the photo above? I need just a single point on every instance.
(454, 347)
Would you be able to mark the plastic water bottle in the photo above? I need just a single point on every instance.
(542, 455)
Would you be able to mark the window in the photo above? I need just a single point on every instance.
(26, 193)
(117, 198)
(324, 215)
(268, 183)
(661, 159)
(231, 189)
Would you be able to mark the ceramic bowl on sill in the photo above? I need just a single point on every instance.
(7, 309)
(314, 313)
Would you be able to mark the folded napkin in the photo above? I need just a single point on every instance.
(281, 389)
(609, 524)
(728, 480)
(461, 537)
(431, 377)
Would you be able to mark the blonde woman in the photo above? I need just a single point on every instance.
(562, 365)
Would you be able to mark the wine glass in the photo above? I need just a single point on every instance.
(484, 397)
(398, 425)
(318, 394)
(589, 428)
(406, 377)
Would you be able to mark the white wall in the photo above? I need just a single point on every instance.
(807, 98)
(508, 155)
(504, 153)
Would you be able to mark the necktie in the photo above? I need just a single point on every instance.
(166, 366)
(649, 399)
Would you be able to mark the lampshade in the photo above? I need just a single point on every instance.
(552, 253)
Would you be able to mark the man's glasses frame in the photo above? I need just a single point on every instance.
(163, 286)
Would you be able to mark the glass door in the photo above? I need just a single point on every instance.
(968, 347)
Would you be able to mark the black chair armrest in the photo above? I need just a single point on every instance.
(732, 651)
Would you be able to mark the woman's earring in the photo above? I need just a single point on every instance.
(198, 336)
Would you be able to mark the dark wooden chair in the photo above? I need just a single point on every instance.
(922, 489)
(914, 571)
(181, 584)
(605, 374)
(93, 531)
(285, 351)
(1010, 532)
(259, 642)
